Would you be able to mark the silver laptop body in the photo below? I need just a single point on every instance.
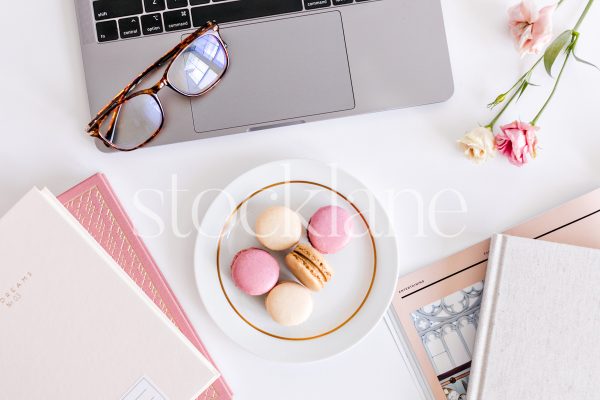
(291, 61)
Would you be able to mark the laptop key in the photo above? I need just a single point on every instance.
(154, 5)
(151, 24)
(177, 3)
(198, 2)
(176, 20)
(243, 9)
(340, 2)
(106, 31)
(129, 27)
(107, 9)
(312, 4)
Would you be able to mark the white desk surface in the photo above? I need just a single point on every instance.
(44, 108)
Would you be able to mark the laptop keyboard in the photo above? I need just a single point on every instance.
(125, 19)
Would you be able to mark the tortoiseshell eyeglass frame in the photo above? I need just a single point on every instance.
(112, 108)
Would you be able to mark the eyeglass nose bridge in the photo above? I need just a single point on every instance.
(160, 84)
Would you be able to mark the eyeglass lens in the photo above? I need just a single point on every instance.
(138, 119)
(199, 66)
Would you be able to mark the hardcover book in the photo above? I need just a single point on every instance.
(538, 323)
(94, 204)
(73, 325)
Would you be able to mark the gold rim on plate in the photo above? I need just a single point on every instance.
(225, 229)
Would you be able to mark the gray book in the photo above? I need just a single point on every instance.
(539, 323)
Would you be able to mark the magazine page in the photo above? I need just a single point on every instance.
(435, 313)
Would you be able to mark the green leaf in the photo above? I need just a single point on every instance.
(585, 62)
(522, 89)
(555, 48)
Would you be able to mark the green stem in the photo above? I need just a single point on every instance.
(559, 3)
(518, 84)
(510, 100)
(520, 80)
(583, 15)
(569, 52)
(562, 69)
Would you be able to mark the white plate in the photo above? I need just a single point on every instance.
(347, 308)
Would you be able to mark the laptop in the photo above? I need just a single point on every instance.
(291, 61)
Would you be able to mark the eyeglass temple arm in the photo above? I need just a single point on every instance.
(106, 109)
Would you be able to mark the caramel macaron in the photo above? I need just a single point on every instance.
(309, 266)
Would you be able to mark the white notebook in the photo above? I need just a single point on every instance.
(72, 323)
(539, 323)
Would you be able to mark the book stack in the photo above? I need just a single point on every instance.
(510, 321)
(94, 204)
(84, 310)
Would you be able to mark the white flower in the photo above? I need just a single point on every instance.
(479, 144)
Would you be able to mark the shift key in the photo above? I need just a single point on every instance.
(107, 9)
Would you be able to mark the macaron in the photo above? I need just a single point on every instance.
(309, 266)
(254, 271)
(330, 229)
(289, 304)
(278, 228)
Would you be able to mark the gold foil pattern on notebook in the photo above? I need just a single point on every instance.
(92, 211)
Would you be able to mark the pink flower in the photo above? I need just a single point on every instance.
(530, 26)
(518, 142)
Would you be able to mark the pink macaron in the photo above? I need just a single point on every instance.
(330, 229)
(254, 271)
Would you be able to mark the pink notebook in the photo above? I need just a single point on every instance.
(95, 206)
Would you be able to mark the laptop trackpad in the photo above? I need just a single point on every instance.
(279, 70)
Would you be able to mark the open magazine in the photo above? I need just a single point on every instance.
(435, 312)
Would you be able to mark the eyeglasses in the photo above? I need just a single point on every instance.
(134, 118)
